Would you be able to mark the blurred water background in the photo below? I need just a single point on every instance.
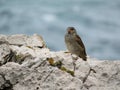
(97, 22)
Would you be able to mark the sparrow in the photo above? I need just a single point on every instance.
(74, 43)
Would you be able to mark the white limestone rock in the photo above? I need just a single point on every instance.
(36, 72)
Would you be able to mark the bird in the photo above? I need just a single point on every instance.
(74, 43)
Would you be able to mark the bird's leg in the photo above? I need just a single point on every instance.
(74, 57)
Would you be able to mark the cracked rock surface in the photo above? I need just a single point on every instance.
(27, 64)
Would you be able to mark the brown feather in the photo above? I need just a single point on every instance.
(79, 41)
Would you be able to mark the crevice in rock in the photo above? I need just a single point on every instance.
(10, 57)
(37, 64)
(4, 42)
(42, 63)
(85, 78)
(48, 75)
(88, 86)
(13, 57)
(7, 85)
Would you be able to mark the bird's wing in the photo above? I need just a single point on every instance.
(79, 41)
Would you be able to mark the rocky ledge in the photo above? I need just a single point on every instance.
(27, 64)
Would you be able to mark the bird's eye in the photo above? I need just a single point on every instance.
(71, 28)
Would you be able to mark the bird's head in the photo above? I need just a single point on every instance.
(71, 30)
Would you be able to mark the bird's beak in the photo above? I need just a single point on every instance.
(69, 31)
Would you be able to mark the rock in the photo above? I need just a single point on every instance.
(26, 64)
(17, 39)
(4, 50)
(36, 40)
(21, 39)
(3, 39)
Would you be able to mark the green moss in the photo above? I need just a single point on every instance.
(63, 69)
(59, 64)
(29, 47)
(71, 72)
(51, 61)
(56, 64)
(18, 57)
